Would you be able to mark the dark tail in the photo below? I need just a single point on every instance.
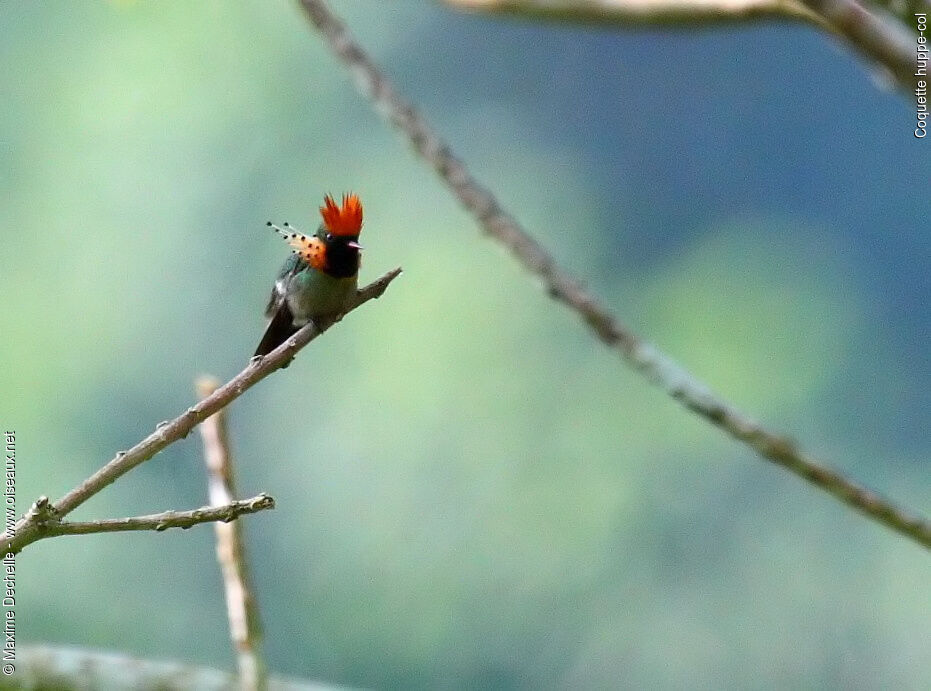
(280, 329)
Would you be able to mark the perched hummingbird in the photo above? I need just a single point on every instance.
(320, 276)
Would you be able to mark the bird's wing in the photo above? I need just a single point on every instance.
(281, 321)
(293, 265)
(280, 328)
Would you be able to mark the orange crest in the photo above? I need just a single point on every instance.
(345, 220)
(310, 249)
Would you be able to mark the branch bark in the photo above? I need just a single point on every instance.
(34, 525)
(241, 604)
(50, 526)
(638, 353)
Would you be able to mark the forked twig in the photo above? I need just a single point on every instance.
(50, 526)
(40, 521)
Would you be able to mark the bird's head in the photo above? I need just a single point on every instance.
(341, 224)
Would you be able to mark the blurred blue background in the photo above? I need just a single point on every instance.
(472, 492)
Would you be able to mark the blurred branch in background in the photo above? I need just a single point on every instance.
(887, 37)
(241, 604)
(637, 12)
(43, 519)
(66, 667)
(888, 41)
(639, 354)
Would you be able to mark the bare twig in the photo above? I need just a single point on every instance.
(69, 667)
(883, 38)
(640, 12)
(241, 605)
(32, 526)
(888, 43)
(641, 355)
(222, 513)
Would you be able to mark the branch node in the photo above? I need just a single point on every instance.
(42, 512)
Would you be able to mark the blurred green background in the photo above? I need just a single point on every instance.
(472, 492)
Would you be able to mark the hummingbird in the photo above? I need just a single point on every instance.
(321, 275)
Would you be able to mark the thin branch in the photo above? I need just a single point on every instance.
(888, 43)
(32, 526)
(880, 37)
(69, 667)
(223, 514)
(644, 12)
(241, 604)
(639, 354)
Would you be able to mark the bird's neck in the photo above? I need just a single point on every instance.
(342, 261)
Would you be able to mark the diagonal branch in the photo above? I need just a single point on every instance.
(30, 527)
(241, 605)
(221, 514)
(639, 354)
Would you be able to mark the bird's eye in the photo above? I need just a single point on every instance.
(329, 237)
